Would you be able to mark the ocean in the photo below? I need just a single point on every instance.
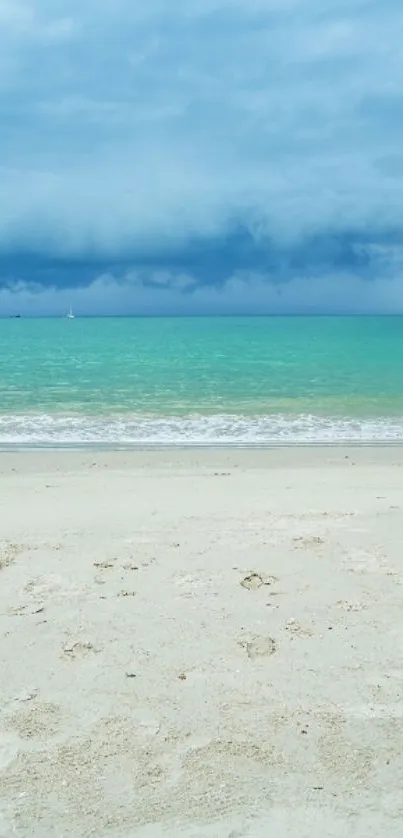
(200, 381)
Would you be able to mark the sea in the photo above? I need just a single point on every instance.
(208, 381)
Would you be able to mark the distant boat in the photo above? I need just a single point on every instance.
(70, 315)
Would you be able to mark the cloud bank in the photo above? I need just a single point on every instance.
(201, 156)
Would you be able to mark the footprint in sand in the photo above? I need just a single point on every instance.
(39, 721)
(43, 586)
(79, 649)
(105, 565)
(259, 647)
(111, 563)
(26, 610)
(8, 554)
(27, 694)
(309, 541)
(351, 606)
(295, 628)
(254, 580)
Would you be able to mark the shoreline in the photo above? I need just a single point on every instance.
(161, 448)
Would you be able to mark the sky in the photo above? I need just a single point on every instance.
(201, 156)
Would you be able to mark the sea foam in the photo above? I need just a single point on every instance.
(217, 430)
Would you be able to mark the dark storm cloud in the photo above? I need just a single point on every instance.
(207, 155)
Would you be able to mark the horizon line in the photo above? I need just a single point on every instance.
(199, 316)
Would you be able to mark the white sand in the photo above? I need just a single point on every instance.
(146, 692)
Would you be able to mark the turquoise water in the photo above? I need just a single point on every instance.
(201, 380)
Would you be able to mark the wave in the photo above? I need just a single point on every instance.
(217, 430)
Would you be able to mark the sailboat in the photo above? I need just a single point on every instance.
(70, 315)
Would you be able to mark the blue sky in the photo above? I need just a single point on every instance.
(198, 156)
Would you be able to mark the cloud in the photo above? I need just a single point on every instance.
(210, 139)
(249, 294)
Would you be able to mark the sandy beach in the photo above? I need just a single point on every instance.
(201, 644)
